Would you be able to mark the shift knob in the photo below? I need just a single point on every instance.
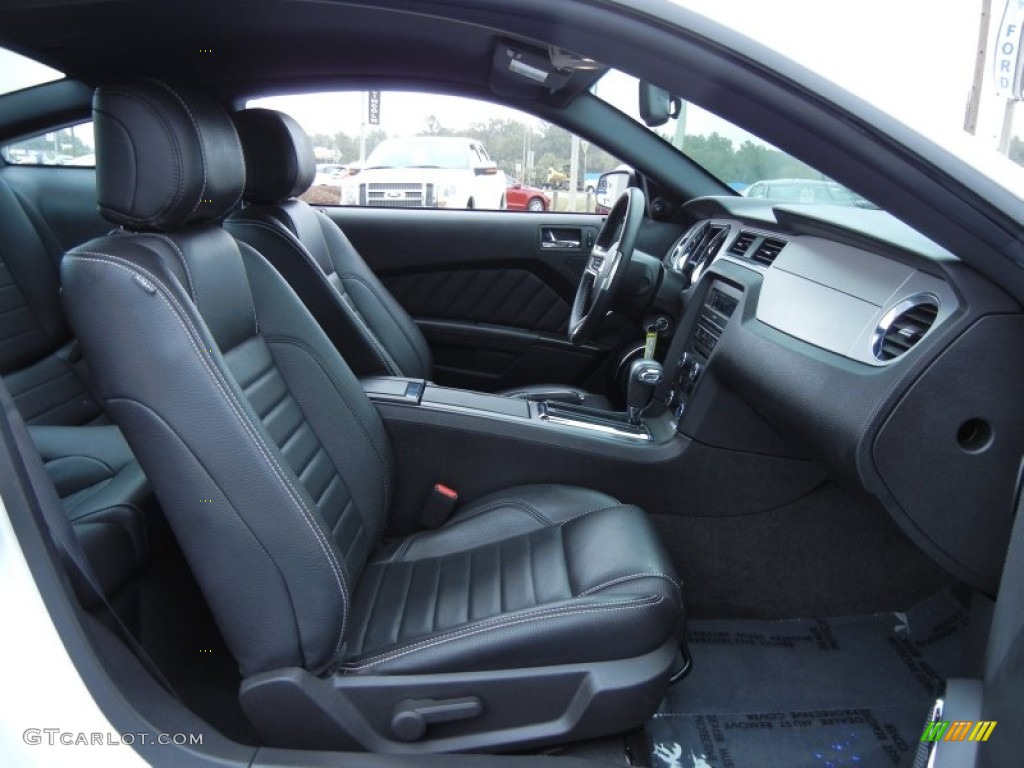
(644, 376)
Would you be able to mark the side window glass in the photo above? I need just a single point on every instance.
(435, 151)
(65, 146)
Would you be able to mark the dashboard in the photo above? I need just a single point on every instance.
(845, 338)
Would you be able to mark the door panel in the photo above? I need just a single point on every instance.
(486, 357)
(514, 297)
(492, 291)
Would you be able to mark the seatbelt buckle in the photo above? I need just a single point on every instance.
(439, 506)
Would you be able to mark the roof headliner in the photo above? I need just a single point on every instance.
(238, 49)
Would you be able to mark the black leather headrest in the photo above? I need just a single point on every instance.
(279, 159)
(164, 157)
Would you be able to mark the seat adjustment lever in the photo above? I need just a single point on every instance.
(412, 716)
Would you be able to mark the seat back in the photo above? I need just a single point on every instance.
(38, 359)
(271, 465)
(365, 322)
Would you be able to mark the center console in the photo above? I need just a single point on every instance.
(712, 461)
(716, 309)
(586, 423)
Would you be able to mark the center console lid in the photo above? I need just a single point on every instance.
(391, 389)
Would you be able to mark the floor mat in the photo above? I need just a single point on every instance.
(825, 693)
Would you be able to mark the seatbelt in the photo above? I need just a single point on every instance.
(48, 507)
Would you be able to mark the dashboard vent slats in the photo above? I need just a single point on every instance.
(742, 244)
(904, 326)
(767, 251)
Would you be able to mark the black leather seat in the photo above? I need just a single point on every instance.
(98, 480)
(372, 330)
(104, 491)
(535, 614)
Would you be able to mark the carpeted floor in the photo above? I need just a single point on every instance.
(850, 691)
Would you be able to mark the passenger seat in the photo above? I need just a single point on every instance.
(100, 484)
(535, 614)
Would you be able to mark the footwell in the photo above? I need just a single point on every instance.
(852, 691)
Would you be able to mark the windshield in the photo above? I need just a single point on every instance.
(419, 153)
(739, 159)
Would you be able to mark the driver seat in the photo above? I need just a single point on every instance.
(374, 334)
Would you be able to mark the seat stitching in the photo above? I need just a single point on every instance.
(202, 149)
(437, 595)
(199, 137)
(179, 187)
(631, 577)
(368, 335)
(222, 492)
(239, 411)
(643, 602)
(513, 502)
(617, 505)
(372, 609)
(385, 475)
(184, 263)
(252, 301)
(403, 549)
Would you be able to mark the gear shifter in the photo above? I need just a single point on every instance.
(644, 376)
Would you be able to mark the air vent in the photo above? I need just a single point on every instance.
(742, 244)
(903, 326)
(767, 251)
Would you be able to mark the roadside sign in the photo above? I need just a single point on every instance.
(1007, 61)
(373, 113)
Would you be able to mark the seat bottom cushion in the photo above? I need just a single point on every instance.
(559, 393)
(104, 492)
(533, 576)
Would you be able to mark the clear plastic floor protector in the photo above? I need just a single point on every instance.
(852, 691)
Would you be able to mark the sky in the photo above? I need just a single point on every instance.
(912, 58)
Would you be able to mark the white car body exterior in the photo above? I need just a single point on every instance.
(427, 172)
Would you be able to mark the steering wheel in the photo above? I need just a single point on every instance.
(606, 266)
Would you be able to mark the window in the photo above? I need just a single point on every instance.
(744, 162)
(18, 72)
(431, 151)
(65, 146)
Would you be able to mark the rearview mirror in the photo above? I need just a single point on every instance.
(657, 105)
(486, 169)
(610, 187)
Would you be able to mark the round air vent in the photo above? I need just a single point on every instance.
(903, 326)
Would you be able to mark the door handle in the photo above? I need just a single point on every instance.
(561, 238)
